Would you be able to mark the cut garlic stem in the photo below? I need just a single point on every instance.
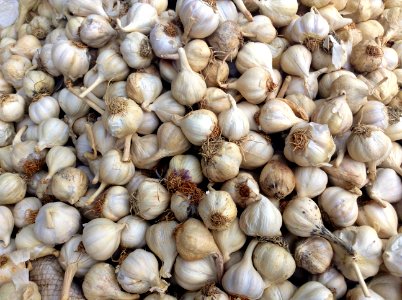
(284, 87)
(243, 9)
(68, 279)
(91, 139)
(91, 104)
(361, 279)
(97, 101)
(174, 56)
(379, 201)
(100, 189)
(89, 89)
(127, 146)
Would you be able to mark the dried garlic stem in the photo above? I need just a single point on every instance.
(361, 279)
(91, 138)
(243, 9)
(284, 87)
(325, 233)
(91, 104)
(127, 146)
(89, 89)
(68, 279)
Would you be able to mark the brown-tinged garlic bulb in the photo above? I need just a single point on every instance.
(143, 87)
(25, 211)
(210, 291)
(314, 254)
(277, 179)
(243, 189)
(312, 290)
(242, 279)
(366, 56)
(280, 291)
(215, 100)
(334, 281)
(100, 283)
(12, 188)
(310, 181)
(395, 121)
(216, 72)
(339, 205)
(309, 144)
(261, 218)
(225, 40)
(217, 209)
(387, 286)
(384, 220)
(194, 241)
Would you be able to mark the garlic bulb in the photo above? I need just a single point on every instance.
(25, 211)
(233, 122)
(261, 218)
(373, 113)
(254, 54)
(75, 262)
(73, 27)
(280, 12)
(194, 241)
(56, 223)
(188, 87)
(14, 70)
(296, 60)
(387, 187)
(185, 166)
(339, 205)
(165, 106)
(101, 238)
(394, 160)
(334, 18)
(384, 85)
(395, 122)
(139, 273)
(366, 56)
(100, 283)
(143, 88)
(5, 158)
(334, 281)
(12, 107)
(20, 288)
(216, 72)
(225, 40)
(58, 158)
(384, 220)
(198, 53)
(393, 254)
(133, 233)
(151, 199)
(12, 188)
(274, 263)
(27, 46)
(312, 290)
(160, 239)
(314, 254)
(256, 150)
(260, 29)
(243, 189)
(71, 58)
(69, 185)
(165, 38)
(193, 275)
(73, 106)
(309, 144)
(51, 132)
(141, 17)
(81, 8)
(43, 108)
(310, 181)
(136, 50)
(104, 141)
(95, 31)
(12, 265)
(280, 291)
(143, 148)
(7, 225)
(387, 286)
(358, 294)
(242, 279)
(307, 86)
(327, 80)
(220, 160)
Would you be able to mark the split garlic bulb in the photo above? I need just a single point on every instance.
(56, 223)
(12, 188)
(7, 225)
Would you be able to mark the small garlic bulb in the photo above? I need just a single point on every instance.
(12, 188)
(217, 209)
(52, 132)
(25, 211)
(160, 239)
(339, 205)
(73, 106)
(243, 189)
(100, 283)
(387, 187)
(138, 273)
(256, 149)
(334, 281)
(56, 223)
(101, 238)
(233, 122)
(274, 263)
(7, 225)
(277, 179)
(310, 181)
(242, 279)
(12, 107)
(136, 50)
(312, 290)
(383, 84)
(95, 31)
(314, 254)
(133, 233)
(261, 218)
(384, 220)
(309, 144)
(198, 54)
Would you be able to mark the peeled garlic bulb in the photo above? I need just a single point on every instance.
(160, 239)
(7, 225)
(384, 220)
(261, 218)
(312, 290)
(310, 181)
(101, 238)
(138, 273)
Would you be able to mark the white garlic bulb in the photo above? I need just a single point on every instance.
(59, 157)
(14, 70)
(141, 17)
(185, 166)
(393, 254)
(373, 113)
(386, 285)
(312, 290)
(143, 87)
(358, 294)
(56, 223)
(139, 273)
(254, 54)
(280, 291)
(233, 122)
(7, 225)
(101, 238)
(43, 108)
(52, 132)
(313, 254)
(73, 106)
(7, 133)
(95, 31)
(134, 231)
(25, 211)
(136, 50)
(386, 187)
(334, 281)
(243, 189)
(69, 185)
(82, 8)
(165, 106)
(256, 149)
(11, 107)
(165, 38)
(310, 181)
(12, 188)
(280, 12)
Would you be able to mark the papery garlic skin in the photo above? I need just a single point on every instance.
(25, 211)
(7, 225)
(393, 255)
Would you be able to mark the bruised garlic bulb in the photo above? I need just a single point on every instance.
(56, 223)
(217, 209)
(334, 281)
(243, 189)
(25, 211)
(233, 122)
(7, 225)
(12, 188)
(312, 290)
(310, 181)
(133, 233)
(160, 239)
(387, 187)
(242, 279)
(261, 218)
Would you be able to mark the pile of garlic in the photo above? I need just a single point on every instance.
(201, 149)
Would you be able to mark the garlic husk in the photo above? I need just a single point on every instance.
(243, 189)
(387, 286)
(133, 234)
(143, 88)
(312, 290)
(194, 241)
(151, 199)
(193, 275)
(256, 150)
(138, 273)
(20, 288)
(7, 225)
(69, 185)
(277, 179)
(160, 239)
(261, 218)
(220, 160)
(100, 283)
(334, 281)
(339, 205)
(394, 160)
(12, 188)
(101, 238)
(313, 254)
(225, 40)
(12, 107)
(274, 263)
(387, 187)
(52, 132)
(280, 291)
(310, 181)
(384, 220)
(254, 54)
(75, 262)
(242, 279)
(26, 239)
(25, 211)
(12, 265)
